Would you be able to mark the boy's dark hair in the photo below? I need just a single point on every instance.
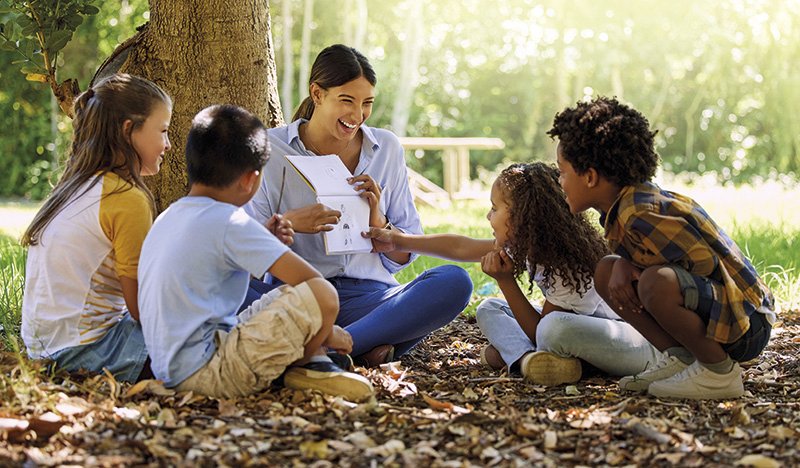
(225, 141)
(543, 230)
(609, 137)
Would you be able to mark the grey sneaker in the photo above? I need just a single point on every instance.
(698, 383)
(548, 369)
(666, 367)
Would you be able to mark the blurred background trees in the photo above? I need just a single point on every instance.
(718, 80)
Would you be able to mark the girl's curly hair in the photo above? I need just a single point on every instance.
(610, 137)
(544, 232)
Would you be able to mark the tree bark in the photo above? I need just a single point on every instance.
(205, 52)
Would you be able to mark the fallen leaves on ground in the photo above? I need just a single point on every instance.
(436, 406)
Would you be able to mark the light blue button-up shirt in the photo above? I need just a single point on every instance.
(382, 157)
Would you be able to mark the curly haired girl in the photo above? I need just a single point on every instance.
(535, 234)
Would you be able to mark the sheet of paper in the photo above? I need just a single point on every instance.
(327, 176)
(346, 235)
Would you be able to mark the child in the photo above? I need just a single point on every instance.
(80, 306)
(196, 264)
(534, 232)
(677, 277)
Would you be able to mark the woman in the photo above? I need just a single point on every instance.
(385, 319)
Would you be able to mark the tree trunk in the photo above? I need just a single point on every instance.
(203, 53)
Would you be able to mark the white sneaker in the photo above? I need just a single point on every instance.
(548, 369)
(666, 367)
(699, 383)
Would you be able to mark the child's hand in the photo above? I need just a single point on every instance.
(383, 240)
(498, 265)
(314, 218)
(620, 287)
(281, 228)
(339, 340)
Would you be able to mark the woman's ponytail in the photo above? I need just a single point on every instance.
(305, 110)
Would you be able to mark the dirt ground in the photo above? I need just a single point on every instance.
(438, 406)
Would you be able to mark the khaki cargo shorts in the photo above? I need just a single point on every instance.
(271, 334)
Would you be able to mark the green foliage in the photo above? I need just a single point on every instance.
(34, 134)
(38, 29)
(714, 78)
(12, 279)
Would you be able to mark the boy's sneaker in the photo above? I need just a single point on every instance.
(328, 378)
(698, 383)
(490, 357)
(342, 361)
(548, 369)
(665, 368)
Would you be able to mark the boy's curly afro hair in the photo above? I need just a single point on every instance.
(609, 137)
(544, 232)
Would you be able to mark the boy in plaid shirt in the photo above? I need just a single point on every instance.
(676, 276)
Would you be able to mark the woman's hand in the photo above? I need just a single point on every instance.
(620, 287)
(383, 240)
(369, 190)
(281, 228)
(498, 265)
(339, 340)
(312, 219)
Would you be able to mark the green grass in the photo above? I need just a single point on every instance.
(12, 276)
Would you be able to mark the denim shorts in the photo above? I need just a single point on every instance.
(702, 294)
(121, 350)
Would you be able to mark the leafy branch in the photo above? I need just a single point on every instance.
(38, 30)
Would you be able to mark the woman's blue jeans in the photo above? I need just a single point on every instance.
(376, 313)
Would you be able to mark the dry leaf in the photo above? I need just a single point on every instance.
(228, 409)
(73, 406)
(360, 440)
(470, 394)
(572, 390)
(443, 405)
(781, 432)
(550, 440)
(758, 461)
(312, 449)
(389, 448)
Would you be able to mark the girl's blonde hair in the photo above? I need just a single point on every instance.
(543, 231)
(101, 143)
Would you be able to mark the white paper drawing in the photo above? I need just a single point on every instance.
(327, 176)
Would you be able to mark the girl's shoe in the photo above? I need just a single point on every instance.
(544, 368)
(491, 357)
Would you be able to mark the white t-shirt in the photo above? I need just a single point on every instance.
(566, 298)
(194, 272)
(73, 294)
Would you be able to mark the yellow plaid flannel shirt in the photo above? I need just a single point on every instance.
(649, 226)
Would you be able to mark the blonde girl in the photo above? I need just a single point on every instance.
(80, 304)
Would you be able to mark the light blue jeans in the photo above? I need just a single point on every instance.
(612, 346)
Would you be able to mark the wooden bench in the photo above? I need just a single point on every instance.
(455, 160)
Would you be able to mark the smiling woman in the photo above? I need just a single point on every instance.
(384, 317)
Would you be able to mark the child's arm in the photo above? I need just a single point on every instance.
(447, 246)
(498, 265)
(130, 291)
(292, 269)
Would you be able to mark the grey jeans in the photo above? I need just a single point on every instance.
(612, 346)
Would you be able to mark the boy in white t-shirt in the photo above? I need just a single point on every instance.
(196, 263)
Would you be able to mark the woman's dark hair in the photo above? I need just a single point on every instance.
(609, 137)
(543, 231)
(334, 66)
